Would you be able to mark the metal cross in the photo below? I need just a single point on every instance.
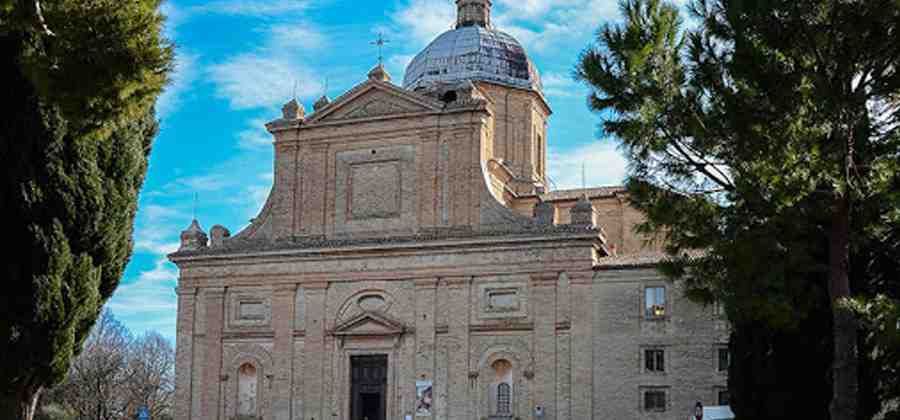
(380, 42)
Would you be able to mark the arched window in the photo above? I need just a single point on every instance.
(247, 384)
(502, 388)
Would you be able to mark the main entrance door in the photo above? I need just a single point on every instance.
(368, 389)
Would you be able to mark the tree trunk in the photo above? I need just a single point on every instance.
(20, 404)
(845, 363)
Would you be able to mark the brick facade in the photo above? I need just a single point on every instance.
(403, 225)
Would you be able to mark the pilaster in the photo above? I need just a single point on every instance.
(543, 295)
(582, 388)
(184, 354)
(425, 336)
(459, 406)
(285, 190)
(212, 381)
(315, 188)
(283, 303)
(314, 364)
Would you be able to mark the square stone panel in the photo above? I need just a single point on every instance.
(374, 190)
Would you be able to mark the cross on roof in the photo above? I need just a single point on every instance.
(380, 42)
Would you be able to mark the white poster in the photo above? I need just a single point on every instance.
(424, 398)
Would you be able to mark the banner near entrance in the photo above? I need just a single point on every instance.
(423, 398)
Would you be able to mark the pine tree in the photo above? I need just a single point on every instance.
(764, 143)
(79, 82)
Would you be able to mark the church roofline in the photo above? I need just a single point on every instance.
(539, 94)
(428, 241)
(366, 86)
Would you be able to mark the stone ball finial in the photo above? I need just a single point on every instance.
(293, 110)
(543, 213)
(379, 73)
(218, 234)
(321, 103)
(193, 238)
(583, 212)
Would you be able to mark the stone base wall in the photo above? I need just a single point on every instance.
(569, 345)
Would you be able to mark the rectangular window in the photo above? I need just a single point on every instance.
(723, 397)
(655, 302)
(655, 400)
(724, 359)
(655, 360)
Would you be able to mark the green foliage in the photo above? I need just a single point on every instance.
(77, 129)
(739, 134)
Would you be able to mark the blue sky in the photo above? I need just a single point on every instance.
(237, 64)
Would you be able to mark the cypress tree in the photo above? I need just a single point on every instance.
(79, 82)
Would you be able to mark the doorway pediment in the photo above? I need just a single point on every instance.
(370, 324)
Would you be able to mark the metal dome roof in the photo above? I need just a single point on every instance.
(472, 53)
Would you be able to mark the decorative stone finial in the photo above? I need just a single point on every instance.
(194, 238)
(543, 213)
(473, 13)
(321, 103)
(583, 212)
(218, 234)
(380, 74)
(293, 110)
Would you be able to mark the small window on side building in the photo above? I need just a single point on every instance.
(724, 359)
(655, 302)
(655, 400)
(655, 360)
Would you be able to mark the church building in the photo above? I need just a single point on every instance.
(411, 263)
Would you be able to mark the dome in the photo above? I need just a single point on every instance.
(472, 53)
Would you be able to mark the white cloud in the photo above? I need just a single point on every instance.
(295, 35)
(423, 20)
(256, 136)
(271, 75)
(537, 24)
(257, 81)
(149, 302)
(396, 65)
(157, 229)
(183, 76)
(603, 165)
(562, 85)
(253, 7)
(175, 16)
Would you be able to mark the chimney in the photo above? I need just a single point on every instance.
(473, 13)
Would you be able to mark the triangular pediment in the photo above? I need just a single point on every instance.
(373, 99)
(369, 323)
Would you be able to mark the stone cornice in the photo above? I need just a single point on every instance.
(322, 247)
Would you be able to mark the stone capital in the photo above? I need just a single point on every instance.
(316, 285)
(429, 283)
(545, 279)
(289, 288)
(456, 282)
(581, 277)
(186, 291)
(214, 292)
